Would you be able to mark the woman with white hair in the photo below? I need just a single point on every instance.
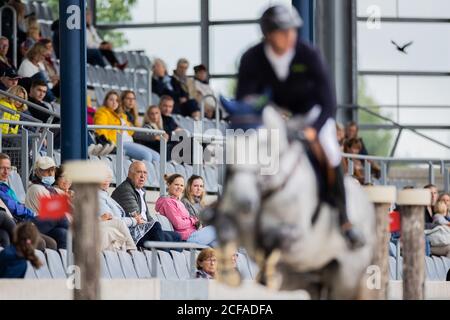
(42, 186)
(114, 233)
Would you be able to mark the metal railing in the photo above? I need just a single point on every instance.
(14, 23)
(36, 147)
(443, 164)
(396, 125)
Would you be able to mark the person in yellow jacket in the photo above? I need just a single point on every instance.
(14, 105)
(111, 113)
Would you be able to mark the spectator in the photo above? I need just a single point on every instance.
(428, 214)
(62, 183)
(111, 113)
(9, 78)
(184, 91)
(340, 132)
(166, 105)
(194, 196)
(446, 198)
(38, 92)
(15, 106)
(130, 195)
(18, 210)
(128, 102)
(161, 81)
(7, 226)
(187, 226)
(153, 120)
(206, 264)
(351, 132)
(33, 67)
(95, 44)
(51, 65)
(8, 26)
(202, 89)
(114, 224)
(440, 212)
(13, 259)
(33, 36)
(5, 61)
(42, 186)
(353, 146)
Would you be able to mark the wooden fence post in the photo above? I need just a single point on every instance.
(382, 197)
(86, 177)
(412, 203)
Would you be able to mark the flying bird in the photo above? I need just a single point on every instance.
(402, 49)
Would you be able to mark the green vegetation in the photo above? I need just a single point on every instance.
(378, 142)
(108, 11)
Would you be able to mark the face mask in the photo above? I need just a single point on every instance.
(48, 180)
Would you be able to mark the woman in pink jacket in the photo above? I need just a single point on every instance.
(183, 223)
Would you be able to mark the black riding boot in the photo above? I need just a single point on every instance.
(354, 238)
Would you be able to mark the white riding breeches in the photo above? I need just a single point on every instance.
(329, 142)
(327, 135)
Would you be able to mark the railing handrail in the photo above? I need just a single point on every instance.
(125, 128)
(173, 245)
(22, 114)
(15, 40)
(396, 124)
(30, 104)
(390, 159)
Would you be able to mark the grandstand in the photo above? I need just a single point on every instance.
(172, 271)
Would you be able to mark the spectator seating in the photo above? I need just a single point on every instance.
(135, 265)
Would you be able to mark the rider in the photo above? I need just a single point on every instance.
(296, 77)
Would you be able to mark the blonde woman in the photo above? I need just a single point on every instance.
(111, 113)
(194, 196)
(14, 105)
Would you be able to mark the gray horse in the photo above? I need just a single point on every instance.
(275, 218)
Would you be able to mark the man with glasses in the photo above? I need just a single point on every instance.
(18, 210)
(130, 195)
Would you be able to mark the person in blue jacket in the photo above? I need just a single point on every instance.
(18, 210)
(13, 259)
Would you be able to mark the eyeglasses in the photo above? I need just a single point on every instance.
(5, 168)
(211, 260)
(141, 172)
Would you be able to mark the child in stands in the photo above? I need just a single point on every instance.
(13, 259)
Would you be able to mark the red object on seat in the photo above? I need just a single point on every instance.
(54, 207)
(394, 221)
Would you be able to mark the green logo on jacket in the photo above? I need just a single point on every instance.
(298, 68)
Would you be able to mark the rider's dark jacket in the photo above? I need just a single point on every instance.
(308, 83)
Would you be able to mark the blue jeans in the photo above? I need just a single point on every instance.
(395, 236)
(205, 236)
(139, 152)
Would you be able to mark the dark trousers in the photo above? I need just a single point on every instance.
(55, 229)
(95, 58)
(7, 226)
(156, 233)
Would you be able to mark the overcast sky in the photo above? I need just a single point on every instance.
(430, 51)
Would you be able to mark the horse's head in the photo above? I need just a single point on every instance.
(252, 154)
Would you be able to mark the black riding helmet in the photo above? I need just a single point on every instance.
(279, 17)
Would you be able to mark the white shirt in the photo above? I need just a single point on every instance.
(143, 206)
(280, 64)
(93, 40)
(28, 69)
(125, 135)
